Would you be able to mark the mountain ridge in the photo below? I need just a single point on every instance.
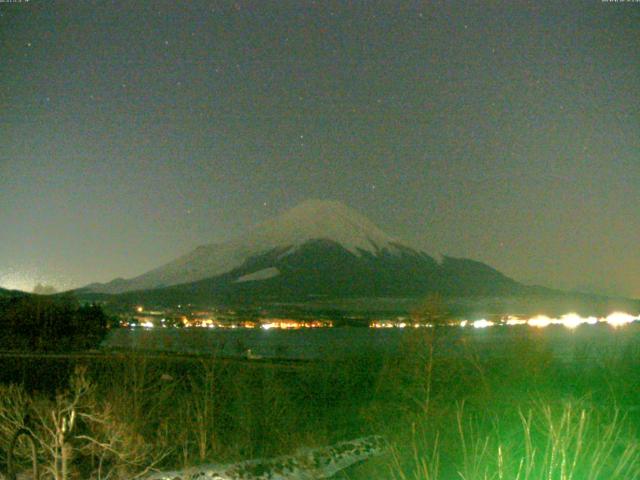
(318, 249)
(310, 220)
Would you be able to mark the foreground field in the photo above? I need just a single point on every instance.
(522, 414)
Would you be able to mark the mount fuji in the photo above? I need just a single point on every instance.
(317, 249)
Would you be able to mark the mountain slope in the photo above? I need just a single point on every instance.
(311, 220)
(319, 249)
(324, 269)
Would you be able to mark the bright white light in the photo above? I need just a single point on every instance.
(267, 326)
(540, 321)
(147, 324)
(569, 320)
(482, 323)
(572, 320)
(515, 321)
(618, 319)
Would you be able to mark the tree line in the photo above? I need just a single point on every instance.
(50, 323)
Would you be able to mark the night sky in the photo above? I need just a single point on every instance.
(507, 132)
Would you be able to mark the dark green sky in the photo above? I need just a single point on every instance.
(508, 132)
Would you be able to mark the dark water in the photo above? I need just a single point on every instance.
(585, 343)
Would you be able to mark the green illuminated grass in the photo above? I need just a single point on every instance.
(522, 414)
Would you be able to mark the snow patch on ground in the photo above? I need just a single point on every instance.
(259, 275)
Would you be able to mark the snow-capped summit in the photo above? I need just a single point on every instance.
(312, 220)
(320, 219)
(318, 249)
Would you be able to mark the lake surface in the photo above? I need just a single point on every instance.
(585, 343)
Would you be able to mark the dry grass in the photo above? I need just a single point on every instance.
(522, 416)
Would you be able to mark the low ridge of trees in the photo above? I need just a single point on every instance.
(42, 289)
(45, 323)
(432, 310)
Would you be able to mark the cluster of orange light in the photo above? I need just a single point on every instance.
(288, 324)
(212, 323)
(395, 324)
